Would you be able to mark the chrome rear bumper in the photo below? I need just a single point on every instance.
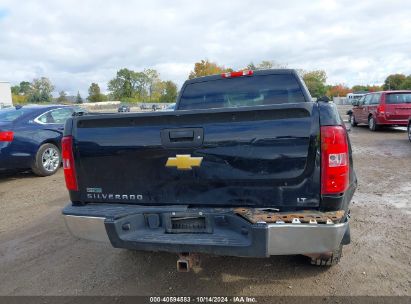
(284, 239)
(234, 237)
(87, 227)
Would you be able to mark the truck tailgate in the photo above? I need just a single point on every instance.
(265, 156)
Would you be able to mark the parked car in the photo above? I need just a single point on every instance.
(409, 128)
(155, 107)
(170, 107)
(30, 137)
(144, 106)
(386, 108)
(123, 108)
(251, 167)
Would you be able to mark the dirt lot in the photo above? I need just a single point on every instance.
(39, 257)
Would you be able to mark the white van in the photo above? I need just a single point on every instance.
(355, 96)
(5, 94)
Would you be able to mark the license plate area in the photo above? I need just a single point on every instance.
(188, 223)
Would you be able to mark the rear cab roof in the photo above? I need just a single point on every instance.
(301, 83)
(255, 72)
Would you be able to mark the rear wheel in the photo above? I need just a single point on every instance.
(328, 259)
(47, 161)
(353, 122)
(409, 130)
(372, 124)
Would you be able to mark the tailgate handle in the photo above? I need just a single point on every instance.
(181, 135)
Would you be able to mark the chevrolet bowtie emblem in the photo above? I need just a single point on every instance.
(184, 162)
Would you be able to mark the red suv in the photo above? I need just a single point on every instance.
(386, 108)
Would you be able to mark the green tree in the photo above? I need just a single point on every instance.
(78, 98)
(358, 87)
(316, 82)
(153, 83)
(169, 93)
(62, 97)
(25, 87)
(251, 66)
(129, 84)
(157, 91)
(368, 88)
(406, 84)
(40, 90)
(123, 84)
(206, 67)
(15, 89)
(394, 82)
(94, 93)
(266, 64)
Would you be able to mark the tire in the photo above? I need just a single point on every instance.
(409, 131)
(372, 124)
(328, 260)
(353, 122)
(48, 160)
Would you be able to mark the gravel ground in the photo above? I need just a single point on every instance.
(39, 257)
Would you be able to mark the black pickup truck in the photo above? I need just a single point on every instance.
(248, 165)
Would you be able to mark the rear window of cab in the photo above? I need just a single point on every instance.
(241, 92)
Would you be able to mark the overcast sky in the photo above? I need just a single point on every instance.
(75, 43)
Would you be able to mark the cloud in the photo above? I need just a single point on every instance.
(75, 43)
(3, 13)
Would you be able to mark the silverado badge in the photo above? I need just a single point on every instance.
(184, 162)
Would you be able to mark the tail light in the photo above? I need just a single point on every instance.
(68, 163)
(335, 167)
(237, 74)
(381, 109)
(6, 136)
